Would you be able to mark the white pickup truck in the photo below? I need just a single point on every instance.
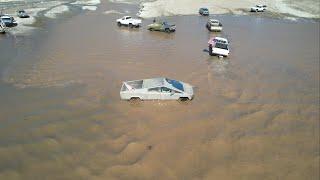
(258, 8)
(129, 21)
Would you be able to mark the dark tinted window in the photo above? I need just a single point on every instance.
(166, 90)
(154, 89)
(175, 84)
(221, 46)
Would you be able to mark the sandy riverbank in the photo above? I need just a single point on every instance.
(305, 8)
(43, 9)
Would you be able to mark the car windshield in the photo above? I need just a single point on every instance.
(204, 9)
(221, 46)
(175, 84)
(6, 19)
(220, 41)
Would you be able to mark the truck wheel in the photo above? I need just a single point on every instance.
(210, 50)
(184, 99)
(130, 25)
(209, 28)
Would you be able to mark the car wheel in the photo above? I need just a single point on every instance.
(210, 50)
(119, 24)
(184, 99)
(130, 25)
(167, 30)
(135, 102)
(150, 29)
(135, 99)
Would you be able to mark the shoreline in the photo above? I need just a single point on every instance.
(157, 8)
(188, 7)
(48, 10)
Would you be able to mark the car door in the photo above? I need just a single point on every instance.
(167, 93)
(153, 93)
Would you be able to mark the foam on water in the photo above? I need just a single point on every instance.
(84, 2)
(56, 10)
(112, 12)
(90, 8)
(123, 1)
(291, 19)
(21, 30)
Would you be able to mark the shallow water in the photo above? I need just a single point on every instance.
(254, 116)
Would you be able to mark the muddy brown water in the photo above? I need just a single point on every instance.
(255, 114)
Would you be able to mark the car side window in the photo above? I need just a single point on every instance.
(166, 90)
(154, 90)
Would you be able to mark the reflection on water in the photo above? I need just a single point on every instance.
(255, 114)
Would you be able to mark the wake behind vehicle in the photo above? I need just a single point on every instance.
(204, 11)
(258, 8)
(8, 21)
(156, 89)
(162, 26)
(218, 46)
(129, 21)
(22, 14)
(214, 25)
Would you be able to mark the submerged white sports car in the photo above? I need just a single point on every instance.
(156, 88)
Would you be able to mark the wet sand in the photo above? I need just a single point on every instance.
(255, 114)
(275, 8)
